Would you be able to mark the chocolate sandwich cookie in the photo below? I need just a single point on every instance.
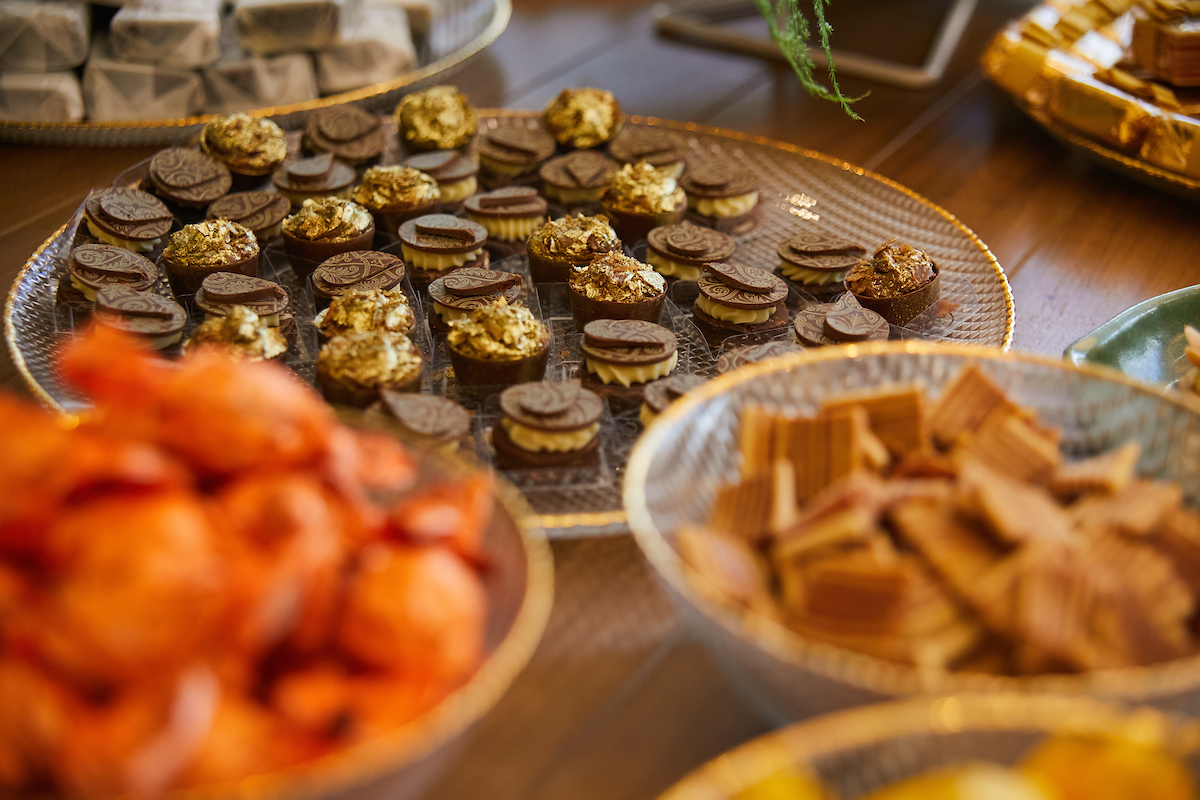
(215, 245)
(735, 299)
(680, 251)
(722, 196)
(510, 214)
(361, 270)
(662, 393)
(261, 212)
(498, 344)
(434, 244)
(559, 245)
(615, 286)
(457, 294)
(353, 368)
(510, 151)
(658, 146)
(128, 218)
(583, 118)
(249, 146)
(91, 267)
(223, 291)
(818, 261)
(318, 176)
(351, 134)
(752, 354)
(899, 282)
(188, 178)
(454, 172)
(150, 316)
(424, 419)
(322, 229)
(621, 355)
(842, 322)
(548, 426)
(395, 194)
(577, 178)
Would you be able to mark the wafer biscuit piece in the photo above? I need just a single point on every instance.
(824, 449)
(1179, 539)
(954, 547)
(1014, 512)
(1138, 510)
(1055, 600)
(743, 509)
(1010, 445)
(733, 568)
(1107, 473)
(965, 404)
(897, 416)
(757, 438)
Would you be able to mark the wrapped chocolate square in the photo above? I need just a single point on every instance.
(48, 97)
(375, 45)
(176, 33)
(1174, 143)
(42, 36)
(1166, 41)
(117, 90)
(1014, 62)
(267, 27)
(1100, 111)
(245, 83)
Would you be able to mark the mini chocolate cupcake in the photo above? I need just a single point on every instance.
(215, 245)
(497, 345)
(353, 368)
(345, 132)
(438, 118)
(128, 218)
(898, 282)
(434, 244)
(658, 146)
(323, 228)
(583, 118)
(680, 251)
(620, 356)
(562, 244)
(363, 310)
(395, 194)
(187, 178)
(737, 300)
(248, 146)
(454, 173)
(818, 261)
(156, 319)
(241, 335)
(261, 212)
(721, 196)
(548, 426)
(841, 322)
(91, 267)
(662, 393)
(424, 420)
(739, 357)
(355, 270)
(615, 286)
(510, 151)
(308, 178)
(578, 178)
(458, 294)
(641, 197)
(510, 214)
(222, 292)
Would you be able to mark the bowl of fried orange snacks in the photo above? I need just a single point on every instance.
(209, 584)
(963, 747)
(884, 520)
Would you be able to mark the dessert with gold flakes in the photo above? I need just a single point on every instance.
(318, 176)
(562, 244)
(898, 282)
(240, 334)
(509, 214)
(548, 425)
(498, 344)
(322, 229)
(200, 250)
(353, 367)
(454, 172)
(583, 118)
(248, 146)
(641, 197)
(438, 118)
(395, 194)
(436, 244)
(615, 286)
(365, 310)
(680, 251)
(578, 178)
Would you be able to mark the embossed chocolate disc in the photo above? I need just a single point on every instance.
(129, 303)
(127, 208)
(472, 282)
(718, 291)
(445, 225)
(752, 354)
(665, 345)
(824, 262)
(588, 169)
(847, 321)
(809, 324)
(443, 165)
(255, 210)
(712, 176)
(822, 242)
(748, 279)
(355, 266)
(526, 141)
(183, 169)
(129, 213)
(665, 391)
(232, 287)
(647, 142)
(427, 415)
(311, 170)
(103, 264)
(549, 406)
(623, 333)
(439, 294)
(344, 124)
(689, 242)
(508, 196)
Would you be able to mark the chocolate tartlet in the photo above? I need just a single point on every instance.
(354, 367)
(548, 426)
(721, 196)
(128, 218)
(346, 132)
(737, 300)
(355, 270)
(248, 146)
(513, 150)
(215, 245)
(898, 282)
(456, 295)
(498, 344)
(156, 319)
(662, 148)
(435, 244)
(615, 286)
(395, 194)
(425, 419)
(240, 334)
(510, 214)
(322, 229)
(818, 261)
(91, 267)
(739, 357)
(583, 118)
(662, 393)
(364, 310)
(261, 212)
(188, 178)
(621, 355)
(577, 178)
(562, 244)
(841, 322)
(308, 178)
(454, 173)
(641, 197)
(222, 292)
(438, 118)
(680, 251)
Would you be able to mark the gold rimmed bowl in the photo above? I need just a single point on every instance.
(692, 449)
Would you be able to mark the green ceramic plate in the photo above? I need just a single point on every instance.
(1145, 342)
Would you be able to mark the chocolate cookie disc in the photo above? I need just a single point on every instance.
(133, 219)
(318, 176)
(351, 134)
(722, 196)
(221, 291)
(578, 177)
(91, 267)
(821, 242)
(356, 269)
(691, 244)
(751, 354)
(431, 419)
(715, 288)
(158, 319)
(551, 407)
(511, 456)
(188, 178)
(658, 146)
(847, 321)
(261, 212)
(665, 391)
(717, 180)
(748, 279)
(511, 201)
(444, 166)
(628, 341)
(443, 234)
(809, 325)
(716, 331)
(515, 149)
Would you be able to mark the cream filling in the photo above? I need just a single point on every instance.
(270, 233)
(448, 314)
(270, 320)
(543, 442)
(436, 262)
(665, 266)
(811, 276)
(629, 375)
(128, 244)
(574, 195)
(738, 316)
(509, 229)
(646, 416)
(457, 191)
(297, 198)
(88, 292)
(721, 207)
(509, 170)
(675, 168)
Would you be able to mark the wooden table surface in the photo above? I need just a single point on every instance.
(620, 701)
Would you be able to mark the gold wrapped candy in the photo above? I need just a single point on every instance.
(1173, 143)
(583, 118)
(439, 118)
(1100, 111)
